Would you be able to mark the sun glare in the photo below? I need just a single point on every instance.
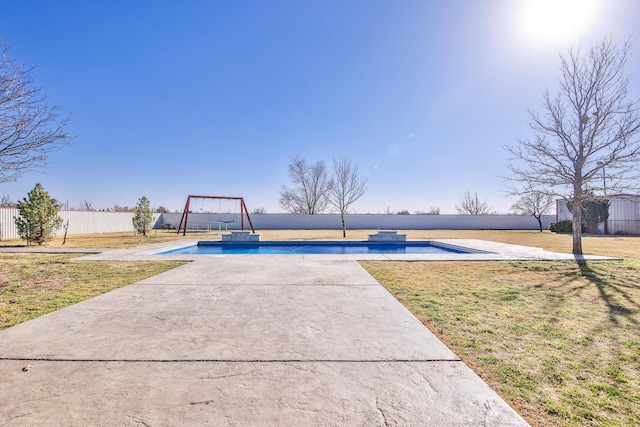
(556, 21)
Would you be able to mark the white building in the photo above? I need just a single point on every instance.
(624, 214)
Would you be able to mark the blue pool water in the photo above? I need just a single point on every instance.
(316, 247)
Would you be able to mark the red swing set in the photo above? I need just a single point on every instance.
(243, 211)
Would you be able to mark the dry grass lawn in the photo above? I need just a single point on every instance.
(559, 341)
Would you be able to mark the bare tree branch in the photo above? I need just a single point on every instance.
(533, 202)
(346, 187)
(6, 202)
(470, 204)
(588, 134)
(29, 127)
(310, 194)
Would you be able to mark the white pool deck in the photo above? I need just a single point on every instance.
(492, 251)
(235, 340)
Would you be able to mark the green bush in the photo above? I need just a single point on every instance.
(564, 227)
(561, 227)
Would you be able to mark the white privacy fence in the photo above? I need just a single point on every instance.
(80, 222)
(199, 221)
(87, 222)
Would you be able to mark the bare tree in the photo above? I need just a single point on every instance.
(310, 194)
(533, 202)
(470, 204)
(29, 127)
(86, 206)
(118, 208)
(433, 210)
(259, 211)
(6, 202)
(346, 187)
(586, 128)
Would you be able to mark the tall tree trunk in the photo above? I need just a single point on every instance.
(344, 226)
(577, 219)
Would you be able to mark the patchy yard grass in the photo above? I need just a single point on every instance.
(559, 341)
(35, 284)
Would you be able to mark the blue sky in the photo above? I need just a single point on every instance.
(215, 97)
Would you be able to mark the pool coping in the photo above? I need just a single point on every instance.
(486, 251)
(298, 247)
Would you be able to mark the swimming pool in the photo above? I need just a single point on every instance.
(317, 248)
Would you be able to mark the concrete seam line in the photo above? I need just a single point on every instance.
(260, 285)
(44, 359)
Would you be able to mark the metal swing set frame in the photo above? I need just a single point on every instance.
(243, 211)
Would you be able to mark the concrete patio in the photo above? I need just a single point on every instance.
(240, 340)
